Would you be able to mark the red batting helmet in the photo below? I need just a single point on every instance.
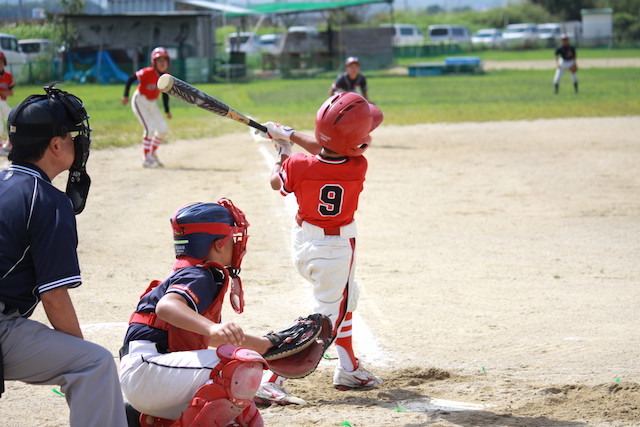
(343, 123)
(3, 58)
(159, 52)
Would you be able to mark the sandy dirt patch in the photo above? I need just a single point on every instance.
(498, 264)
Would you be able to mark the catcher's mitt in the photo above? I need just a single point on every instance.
(297, 349)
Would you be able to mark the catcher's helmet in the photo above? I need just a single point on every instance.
(159, 52)
(196, 226)
(3, 58)
(343, 123)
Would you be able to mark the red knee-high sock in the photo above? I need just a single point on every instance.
(155, 143)
(146, 146)
(344, 345)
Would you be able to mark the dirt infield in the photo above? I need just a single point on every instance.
(499, 265)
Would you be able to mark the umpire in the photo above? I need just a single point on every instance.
(38, 260)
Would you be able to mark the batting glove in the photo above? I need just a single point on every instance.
(277, 131)
(283, 147)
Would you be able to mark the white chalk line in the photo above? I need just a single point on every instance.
(362, 333)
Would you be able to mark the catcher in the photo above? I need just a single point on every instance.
(168, 374)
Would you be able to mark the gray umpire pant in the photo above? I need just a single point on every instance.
(86, 372)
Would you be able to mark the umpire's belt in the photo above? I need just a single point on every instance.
(346, 231)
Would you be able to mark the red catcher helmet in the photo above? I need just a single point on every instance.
(3, 58)
(159, 52)
(343, 123)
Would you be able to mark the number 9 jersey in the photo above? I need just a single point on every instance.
(327, 188)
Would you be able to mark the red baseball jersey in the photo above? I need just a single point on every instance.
(327, 189)
(148, 82)
(6, 83)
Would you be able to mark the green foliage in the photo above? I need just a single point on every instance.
(567, 10)
(474, 20)
(503, 95)
(47, 30)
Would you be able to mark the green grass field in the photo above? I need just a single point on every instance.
(500, 95)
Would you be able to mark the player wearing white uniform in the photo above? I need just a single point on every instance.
(327, 184)
(145, 107)
(565, 60)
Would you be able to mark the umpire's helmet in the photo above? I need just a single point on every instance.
(344, 121)
(197, 225)
(41, 117)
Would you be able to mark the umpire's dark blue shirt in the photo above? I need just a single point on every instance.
(38, 238)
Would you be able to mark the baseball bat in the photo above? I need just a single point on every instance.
(183, 90)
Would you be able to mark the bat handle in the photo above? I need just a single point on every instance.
(257, 125)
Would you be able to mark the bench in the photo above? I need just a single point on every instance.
(451, 65)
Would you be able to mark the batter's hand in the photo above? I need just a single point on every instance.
(277, 131)
(125, 100)
(226, 333)
(169, 116)
(283, 147)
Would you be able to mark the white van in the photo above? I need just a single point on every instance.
(449, 33)
(16, 59)
(34, 48)
(405, 34)
(549, 33)
(521, 35)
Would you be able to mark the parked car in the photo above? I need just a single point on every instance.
(521, 35)
(405, 34)
(269, 42)
(299, 39)
(449, 33)
(16, 59)
(490, 37)
(244, 41)
(549, 33)
(35, 48)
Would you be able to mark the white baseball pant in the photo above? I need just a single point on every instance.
(328, 263)
(4, 114)
(564, 66)
(149, 115)
(163, 384)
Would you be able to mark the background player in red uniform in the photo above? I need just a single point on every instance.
(327, 184)
(6, 90)
(146, 109)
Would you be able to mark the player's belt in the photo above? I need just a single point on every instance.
(327, 231)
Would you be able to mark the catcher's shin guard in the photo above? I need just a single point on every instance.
(230, 394)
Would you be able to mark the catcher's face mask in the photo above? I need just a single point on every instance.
(238, 233)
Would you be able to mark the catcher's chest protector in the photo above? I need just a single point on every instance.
(229, 396)
(181, 339)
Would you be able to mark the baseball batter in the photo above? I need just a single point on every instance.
(39, 263)
(327, 184)
(351, 80)
(6, 90)
(145, 107)
(167, 371)
(565, 60)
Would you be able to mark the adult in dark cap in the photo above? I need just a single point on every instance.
(50, 134)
